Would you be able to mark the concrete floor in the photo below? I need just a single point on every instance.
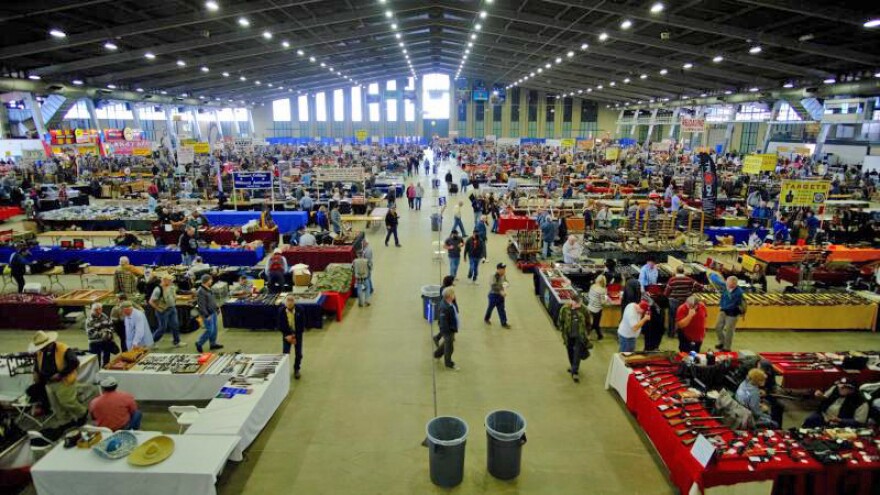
(355, 422)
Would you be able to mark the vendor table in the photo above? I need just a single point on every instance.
(164, 386)
(192, 469)
(814, 379)
(740, 234)
(217, 234)
(515, 222)
(7, 212)
(28, 312)
(287, 221)
(335, 302)
(244, 415)
(133, 225)
(12, 387)
(243, 314)
(850, 317)
(318, 257)
(148, 256)
(55, 236)
(734, 221)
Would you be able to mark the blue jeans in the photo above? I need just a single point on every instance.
(187, 259)
(418, 203)
(210, 333)
(626, 344)
(496, 301)
(453, 265)
(473, 268)
(134, 423)
(365, 289)
(458, 224)
(167, 321)
(547, 245)
(495, 225)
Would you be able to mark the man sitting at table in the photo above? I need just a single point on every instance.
(55, 367)
(308, 239)
(841, 405)
(243, 288)
(115, 409)
(276, 269)
(126, 277)
(126, 239)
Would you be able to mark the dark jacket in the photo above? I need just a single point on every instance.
(848, 411)
(473, 248)
(18, 264)
(284, 326)
(188, 244)
(206, 301)
(632, 292)
(731, 300)
(446, 318)
(391, 219)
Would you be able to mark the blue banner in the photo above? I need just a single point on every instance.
(252, 180)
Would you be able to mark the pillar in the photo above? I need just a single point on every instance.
(313, 116)
(774, 113)
(420, 119)
(820, 140)
(197, 130)
(4, 123)
(93, 114)
(675, 114)
(216, 113)
(541, 130)
(401, 110)
(170, 130)
(250, 116)
(651, 125)
(347, 124)
(37, 113)
(728, 134)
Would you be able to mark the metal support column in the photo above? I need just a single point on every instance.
(820, 140)
(197, 131)
(253, 129)
(93, 114)
(675, 114)
(420, 119)
(217, 123)
(774, 113)
(37, 112)
(651, 124)
(728, 135)
(619, 118)
(170, 130)
(635, 125)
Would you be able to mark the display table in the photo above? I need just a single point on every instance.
(740, 234)
(28, 312)
(515, 222)
(335, 302)
(287, 221)
(219, 235)
(192, 469)
(141, 257)
(794, 370)
(618, 375)
(7, 212)
(12, 387)
(256, 316)
(318, 257)
(165, 386)
(244, 415)
(108, 236)
(820, 311)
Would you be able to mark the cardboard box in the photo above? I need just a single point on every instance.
(302, 279)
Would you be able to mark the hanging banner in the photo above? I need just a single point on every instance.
(361, 135)
(586, 144)
(567, 143)
(244, 144)
(491, 138)
(338, 174)
(127, 148)
(252, 180)
(185, 155)
(755, 164)
(692, 125)
(201, 148)
(710, 184)
(804, 192)
(612, 153)
(507, 142)
(113, 135)
(555, 143)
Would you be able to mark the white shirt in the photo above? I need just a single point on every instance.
(631, 317)
(307, 239)
(457, 211)
(571, 252)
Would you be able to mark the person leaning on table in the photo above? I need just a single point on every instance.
(635, 316)
(115, 409)
(291, 326)
(55, 367)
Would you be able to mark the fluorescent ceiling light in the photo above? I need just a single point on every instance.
(244, 22)
(657, 8)
(212, 6)
(150, 56)
(626, 24)
(603, 36)
(111, 46)
(57, 33)
(755, 50)
(718, 59)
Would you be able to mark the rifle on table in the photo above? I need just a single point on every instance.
(682, 411)
(689, 441)
(693, 430)
(688, 421)
(660, 392)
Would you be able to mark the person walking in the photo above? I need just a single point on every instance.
(690, 318)
(596, 297)
(411, 196)
(549, 231)
(457, 223)
(99, 331)
(18, 265)
(447, 320)
(164, 301)
(635, 316)
(208, 309)
(363, 269)
(731, 308)
(420, 193)
(678, 289)
(189, 245)
(336, 219)
(474, 250)
(291, 326)
(497, 295)
(391, 221)
(573, 321)
(453, 246)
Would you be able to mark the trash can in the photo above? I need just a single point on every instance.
(436, 222)
(505, 435)
(430, 295)
(447, 437)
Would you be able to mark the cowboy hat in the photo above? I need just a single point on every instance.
(41, 340)
(153, 451)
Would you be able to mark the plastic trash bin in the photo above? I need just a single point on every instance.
(447, 437)
(430, 295)
(505, 435)
(436, 222)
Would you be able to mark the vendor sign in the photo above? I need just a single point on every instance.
(508, 142)
(710, 184)
(252, 180)
(201, 148)
(754, 164)
(113, 135)
(567, 143)
(804, 192)
(185, 155)
(339, 174)
(612, 153)
(126, 148)
(585, 144)
(692, 125)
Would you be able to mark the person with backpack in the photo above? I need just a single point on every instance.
(363, 268)
(276, 269)
(163, 299)
(732, 306)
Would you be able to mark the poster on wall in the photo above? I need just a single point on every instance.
(804, 192)
(692, 125)
(361, 135)
(201, 148)
(710, 184)
(585, 144)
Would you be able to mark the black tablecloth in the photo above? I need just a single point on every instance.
(264, 316)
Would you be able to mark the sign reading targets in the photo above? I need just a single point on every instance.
(804, 192)
(338, 174)
(252, 180)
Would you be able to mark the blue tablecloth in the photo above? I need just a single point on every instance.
(740, 234)
(110, 256)
(287, 221)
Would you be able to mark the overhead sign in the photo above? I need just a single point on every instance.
(507, 142)
(612, 153)
(185, 155)
(585, 144)
(567, 143)
(491, 138)
(692, 125)
(804, 192)
(135, 148)
(244, 144)
(113, 135)
(339, 174)
(252, 180)
(754, 164)
(361, 135)
(710, 183)
(202, 148)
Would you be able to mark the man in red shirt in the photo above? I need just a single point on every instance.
(691, 322)
(113, 409)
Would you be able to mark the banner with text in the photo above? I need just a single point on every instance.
(710, 184)
(252, 180)
(338, 174)
(754, 164)
(185, 155)
(693, 125)
(804, 192)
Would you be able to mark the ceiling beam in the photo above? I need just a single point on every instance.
(826, 11)
(44, 88)
(48, 7)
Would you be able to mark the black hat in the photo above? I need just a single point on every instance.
(500, 265)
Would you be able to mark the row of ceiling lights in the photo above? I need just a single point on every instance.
(389, 14)
(472, 36)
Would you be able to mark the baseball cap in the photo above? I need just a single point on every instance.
(500, 265)
(108, 382)
(644, 306)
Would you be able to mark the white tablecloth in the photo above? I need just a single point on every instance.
(618, 374)
(191, 470)
(245, 415)
(12, 387)
(166, 386)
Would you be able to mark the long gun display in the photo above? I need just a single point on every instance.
(688, 421)
(698, 428)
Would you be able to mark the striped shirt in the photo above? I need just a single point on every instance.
(680, 287)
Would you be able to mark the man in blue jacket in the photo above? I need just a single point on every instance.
(447, 320)
(730, 311)
(291, 326)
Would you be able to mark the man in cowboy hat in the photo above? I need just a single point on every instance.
(55, 366)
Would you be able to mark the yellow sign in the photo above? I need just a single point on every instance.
(754, 164)
(567, 143)
(361, 135)
(585, 144)
(201, 148)
(188, 142)
(782, 149)
(612, 153)
(803, 150)
(749, 263)
(141, 151)
(804, 192)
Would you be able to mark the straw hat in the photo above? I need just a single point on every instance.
(153, 451)
(41, 340)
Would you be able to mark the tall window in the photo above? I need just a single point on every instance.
(373, 107)
(357, 111)
(338, 105)
(409, 104)
(303, 102)
(514, 105)
(749, 139)
(321, 107)
(391, 101)
(533, 106)
(281, 110)
(435, 96)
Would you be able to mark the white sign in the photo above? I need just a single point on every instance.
(553, 142)
(338, 174)
(244, 144)
(692, 125)
(491, 138)
(703, 450)
(508, 142)
(186, 155)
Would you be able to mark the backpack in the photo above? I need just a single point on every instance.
(361, 268)
(276, 263)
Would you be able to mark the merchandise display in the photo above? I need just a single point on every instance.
(170, 255)
(318, 257)
(29, 311)
(820, 370)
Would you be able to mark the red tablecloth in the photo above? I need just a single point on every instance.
(335, 302)
(7, 212)
(814, 379)
(516, 222)
(29, 312)
(318, 257)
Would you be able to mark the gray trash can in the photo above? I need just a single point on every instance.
(436, 222)
(447, 438)
(505, 435)
(430, 295)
